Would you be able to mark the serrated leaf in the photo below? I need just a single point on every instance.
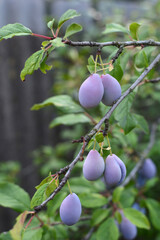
(133, 27)
(69, 120)
(114, 27)
(72, 29)
(39, 195)
(108, 230)
(92, 200)
(32, 64)
(16, 232)
(71, 13)
(123, 116)
(99, 215)
(14, 197)
(11, 30)
(62, 102)
(57, 42)
(154, 212)
(141, 123)
(136, 217)
(50, 23)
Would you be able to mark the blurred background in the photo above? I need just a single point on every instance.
(25, 138)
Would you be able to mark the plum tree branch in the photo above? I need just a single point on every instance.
(117, 44)
(68, 169)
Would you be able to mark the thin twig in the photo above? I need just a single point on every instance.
(95, 130)
(120, 50)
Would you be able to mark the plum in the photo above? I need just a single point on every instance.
(70, 209)
(112, 89)
(91, 91)
(93, 166)
(115, 171)
(148, 169)
(128, 229)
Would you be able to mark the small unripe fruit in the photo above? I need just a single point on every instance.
(115, 171)
(112, 89)
(128, 229)
(91, 91)
(148, 169)
(70, 209)
(93, 166)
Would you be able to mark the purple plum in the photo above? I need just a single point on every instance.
(91, 91)
(70, 209)
(128, 229)
(93, 166)
(115, 171)
(112, 89)
(148, 169)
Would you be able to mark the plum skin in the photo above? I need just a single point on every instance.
(70, 209)
(93, 166)
(148, 169)
(128, 229)
(112, 89)
(115, 171)
(91, 91)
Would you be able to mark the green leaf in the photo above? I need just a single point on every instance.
(108, 230)
(122, 114)
(91, 65)
(99, 215)
(14, 197)
(57, 42)
(117, 194)
(72, 29)
(12, 30)
(128, 197)
(114, 27)
(154, 212)
(34, 234)
(62, 102)
(141, 123)
(16, 232)
(51, 187)
(32, 64)
(46, 180)
(99, 137)
(44, 67)
(133, 27)
(118, 216)
(5, 236)
(117, 72)
(136, 217)
(39, 196)
(69, 120)
(151, 183)
(50, 23)
(141, 59)
(55, 203)
(71, 13)
(92, 200)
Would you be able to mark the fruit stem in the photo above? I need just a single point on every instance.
(96, 63)
(94, 147)
(109, 144)
(102, 64)
(69, 187)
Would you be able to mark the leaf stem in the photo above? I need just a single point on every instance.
(41, 36)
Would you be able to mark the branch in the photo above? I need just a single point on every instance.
(143, 43)
(144, 154)
(94, 130)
